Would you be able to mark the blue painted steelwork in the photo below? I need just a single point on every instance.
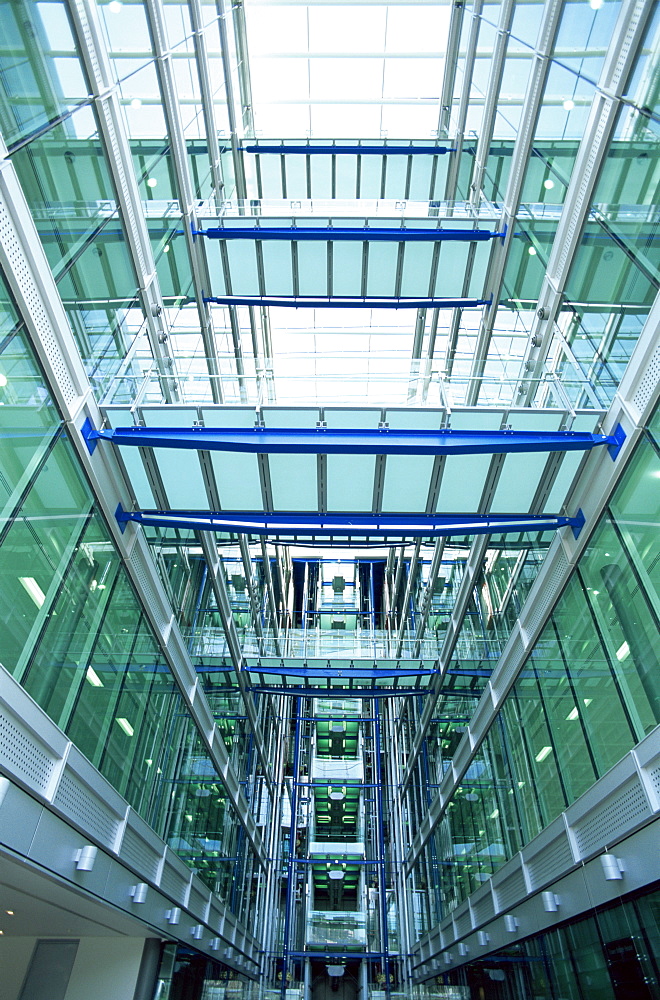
(345, 302)
(371, 956)
(333, 441)
(362, 693)
(337, 854)
(343, 234)
(617, 439)
(363, 673)
(352, 150)
(348, 525)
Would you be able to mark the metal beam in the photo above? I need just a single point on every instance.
(349, 673)
(463, 598)
(626, 39)
(270, 592)
(347, 525)
(412, 570)
(464, 103)
(208, 97)
(237, 158)
(91, 44)
(358, 693)
(451, 60)
(386, 150)
(492, 97)
(345, 301)
(186, 195)
(255, 610)
(519, 162)
(427, 597)
(331, 441)
(340, 234)
(219, 585)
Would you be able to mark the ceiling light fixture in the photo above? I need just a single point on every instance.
(34, 590)
(126, 726)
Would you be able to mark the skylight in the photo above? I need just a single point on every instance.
(346, 71)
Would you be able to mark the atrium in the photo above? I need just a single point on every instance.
(330, 470)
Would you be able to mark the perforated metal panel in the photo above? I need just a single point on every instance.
(618, 814)
(32, 300)
(79, 804)
(649, 383)
(145, 581)
(545, 598)
(23, 757)
(654, 775)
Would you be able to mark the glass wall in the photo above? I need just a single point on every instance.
(588, 693)
(76, 637)
(613, 954)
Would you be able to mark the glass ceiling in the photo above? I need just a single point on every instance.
(321, 70)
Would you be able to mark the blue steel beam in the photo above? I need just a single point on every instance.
(343, 234)
(348, 525)
(362, 693)
(332, 441)
(349, 673)
(345, 302)
(353, 150)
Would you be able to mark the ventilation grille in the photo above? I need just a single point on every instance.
(511, 891)
(74, 799)
(462, 923)
(146, 587)
(603, 826)
(173, 884)
(23, 757)
(33, 305)
(215, 918)
(140, 855)
(550, 863)
(197, 903)
(648, 385)
(483, 909)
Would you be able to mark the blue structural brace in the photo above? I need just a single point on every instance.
(358, 692)
(348, 525)
(351, 150)
(344, 302)
(342, 234)
(350, 673)
(333, 441)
